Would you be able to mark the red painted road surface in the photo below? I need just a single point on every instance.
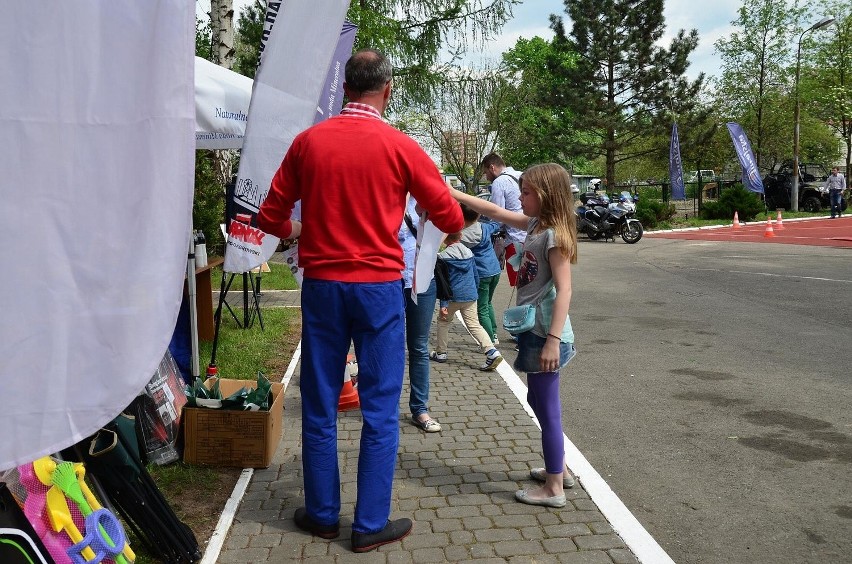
(816, 232)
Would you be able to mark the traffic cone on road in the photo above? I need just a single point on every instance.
(348, 395)
(769, 231)
(736, 224)
(778, 225)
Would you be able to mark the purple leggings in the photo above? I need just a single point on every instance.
(543, 397)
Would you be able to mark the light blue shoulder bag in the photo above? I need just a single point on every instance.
(520, 319)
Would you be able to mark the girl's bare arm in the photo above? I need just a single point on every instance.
(493, 211)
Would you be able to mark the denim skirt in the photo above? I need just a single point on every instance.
(529, 352)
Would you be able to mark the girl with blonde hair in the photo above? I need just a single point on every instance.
(544, 279)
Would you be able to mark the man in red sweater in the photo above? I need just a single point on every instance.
(352, 174)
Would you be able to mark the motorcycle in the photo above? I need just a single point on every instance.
(624, 201)
(599, 217)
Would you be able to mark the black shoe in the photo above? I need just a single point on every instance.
(307, 524)
(393, 531)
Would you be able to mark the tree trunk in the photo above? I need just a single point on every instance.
(222, 27)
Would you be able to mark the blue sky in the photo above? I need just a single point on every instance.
(531, 18)
(712, 19)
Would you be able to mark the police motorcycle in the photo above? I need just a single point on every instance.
(598, 217)
(624, 201)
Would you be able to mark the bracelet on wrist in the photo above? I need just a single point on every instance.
(554, 336)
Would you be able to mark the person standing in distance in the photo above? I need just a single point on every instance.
(835, 184)
(506, 194)
(353, 173)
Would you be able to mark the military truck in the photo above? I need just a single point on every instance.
(813, 197)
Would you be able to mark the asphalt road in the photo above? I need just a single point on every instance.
(712, 392)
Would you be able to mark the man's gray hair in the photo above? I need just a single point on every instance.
(368, 70)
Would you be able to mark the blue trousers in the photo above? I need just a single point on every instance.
(370, 315)
(418, 321)
(835, 199)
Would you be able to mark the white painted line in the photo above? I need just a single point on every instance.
(772, 275)
(291, 368)
(631, 531)
(217, 540)
(226, 519)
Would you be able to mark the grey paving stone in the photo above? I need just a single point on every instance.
(537, 559)
(517, 548)
(483, 551)
(425, 539)
(495, 535)
(461, 538)
(601, 528)
(622, 556)
(456, 553)
(315, 550)
(457, 485)
(532, 533)
(559, 545)
(265, 541)
(456, 512)
(567, 530)
(244, 555)
(400, 557)
(602, 542)
(585, 557)
(476, 523)
(447, 525)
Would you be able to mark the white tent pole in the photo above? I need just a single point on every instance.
(193, 308)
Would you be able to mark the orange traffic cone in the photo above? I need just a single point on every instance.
(348, 395)
(778, 225)
(736, 224)
(769, 231)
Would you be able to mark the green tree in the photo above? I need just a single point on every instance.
(535, 130)
(247, 38)
(412, 33)
(755, 77)
(202, 40)
(827, 86)
(620, 88)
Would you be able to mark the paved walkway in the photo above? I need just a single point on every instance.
(458, 485)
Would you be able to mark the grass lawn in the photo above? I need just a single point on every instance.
(199, 493)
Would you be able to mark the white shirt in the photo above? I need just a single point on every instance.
(506, 194)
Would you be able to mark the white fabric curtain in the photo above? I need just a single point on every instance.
(97, 157)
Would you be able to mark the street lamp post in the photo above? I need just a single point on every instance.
(794, 193)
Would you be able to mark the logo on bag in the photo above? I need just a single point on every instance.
(246, 233)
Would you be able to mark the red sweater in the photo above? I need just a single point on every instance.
(352, 173)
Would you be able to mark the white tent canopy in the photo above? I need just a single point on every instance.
(222, 100)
